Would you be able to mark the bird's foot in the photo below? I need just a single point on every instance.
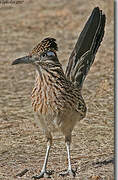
(70, 172)
(44, 174)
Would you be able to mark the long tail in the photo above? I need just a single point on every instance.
(84, 52)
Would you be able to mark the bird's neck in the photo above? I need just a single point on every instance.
(46, 84)
(51, 74)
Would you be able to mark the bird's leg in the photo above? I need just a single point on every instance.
(69, 171)
(44, 172)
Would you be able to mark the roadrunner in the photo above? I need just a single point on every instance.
(56, 97)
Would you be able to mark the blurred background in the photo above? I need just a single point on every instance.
(23, 24)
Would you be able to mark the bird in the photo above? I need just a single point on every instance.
(57, 99)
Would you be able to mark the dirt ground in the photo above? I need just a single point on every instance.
(22, 143)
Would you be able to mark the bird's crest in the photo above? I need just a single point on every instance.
(48, 44)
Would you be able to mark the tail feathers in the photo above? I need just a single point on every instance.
(99, 35)
(86, 47)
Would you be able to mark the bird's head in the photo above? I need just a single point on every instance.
(44, 54)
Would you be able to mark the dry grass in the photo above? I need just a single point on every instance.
(22, 144)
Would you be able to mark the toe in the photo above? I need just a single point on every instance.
(44, 174)
(72, 173)
(68, 172)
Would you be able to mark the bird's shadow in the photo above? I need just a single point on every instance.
(101, 163)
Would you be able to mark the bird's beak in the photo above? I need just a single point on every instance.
(23, 60)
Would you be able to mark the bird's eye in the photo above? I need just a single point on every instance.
(48, 53)
(43, 55)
